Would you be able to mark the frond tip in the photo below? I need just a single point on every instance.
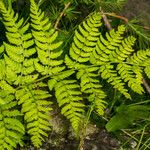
(35, 108)
(46, 46)
(85, 40)
(90, 85)
(70, 100)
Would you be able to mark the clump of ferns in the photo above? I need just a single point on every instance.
(33, 54)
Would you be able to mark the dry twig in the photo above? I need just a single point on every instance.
(61, 15)
(147, 87)
(106, 21)
(117, 16)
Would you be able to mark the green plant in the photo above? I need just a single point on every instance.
(130, 113)
(33, 65)
(133, 121)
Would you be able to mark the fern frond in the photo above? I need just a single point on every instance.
(105, 47)
(90, 85)
(1, 49)
(124, 50)
(115, 49)
(35, 107)
(27, 55)
(18, 49)
(108, 73)
(46, 45)
(85, 40)
(132, 75)
(70, 100)
(2, 69)
(141, 58)
(11, 129)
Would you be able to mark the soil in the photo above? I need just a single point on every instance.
(99, 140)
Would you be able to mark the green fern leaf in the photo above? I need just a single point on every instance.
(85, 39)
(69, 98)
(1, 49)
(147, 71)
(90, 85)
(11, 129)
(47, 48)
(105, 48)
(140, 58)
(107, 72)
(5, 86)
(132, 75)
(18, 48)
(36, 111)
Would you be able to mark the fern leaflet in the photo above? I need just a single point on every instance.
(35, 108)
(11, 128)
(46, 47)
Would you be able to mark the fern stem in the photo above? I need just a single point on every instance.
(114, 100)
(38, 80)
(61, 15)
(83, 134)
